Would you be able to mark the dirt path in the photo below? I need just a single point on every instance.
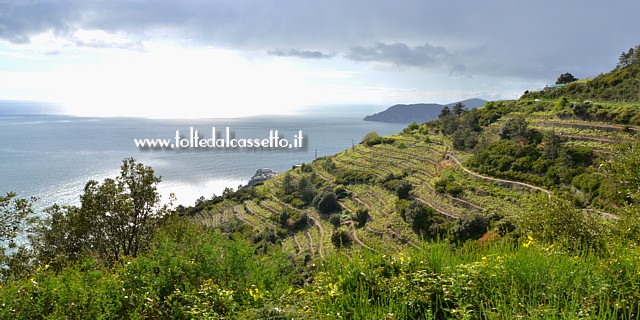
(366, 205)
(295, 239)
(357, 240)
(477, 175)
(320, 175)
(263, 219)
(313, 251)
(316, 221)
(604, 127)
(394, 235)
(463, 202)
(606, 215)
(452, 216)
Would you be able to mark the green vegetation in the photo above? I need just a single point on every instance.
(621, 84)
(520, 209)
(566, 78)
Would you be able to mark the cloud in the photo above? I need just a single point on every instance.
(305, 54)
(401, 55)
(500, 38)
(98, 39)
(20, 20)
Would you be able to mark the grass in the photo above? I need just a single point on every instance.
(193, 271)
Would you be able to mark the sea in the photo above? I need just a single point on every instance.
(52, 157)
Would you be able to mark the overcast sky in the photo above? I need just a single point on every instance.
(226, 58)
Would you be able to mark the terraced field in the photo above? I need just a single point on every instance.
(419, 160)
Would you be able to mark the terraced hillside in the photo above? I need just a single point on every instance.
(419, 185)
(526, 209)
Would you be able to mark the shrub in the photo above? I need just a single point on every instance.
(361, 217)
(403, 188)
(558, 223)
(326, 201)
(335, 220)
(341, 239)
(471, 226)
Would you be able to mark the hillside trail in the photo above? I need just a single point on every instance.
(477, 175)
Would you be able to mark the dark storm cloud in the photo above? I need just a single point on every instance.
(305, 54)
(500, 37)
(400, 54)
(19, 20)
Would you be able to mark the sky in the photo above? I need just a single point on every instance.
(226, 58)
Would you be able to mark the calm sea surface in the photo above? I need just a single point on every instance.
(52, 157)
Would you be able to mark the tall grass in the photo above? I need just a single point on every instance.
(193, 273)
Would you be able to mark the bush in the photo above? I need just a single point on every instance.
(371, 138)
(558, 223)
(361, 217)
(471, 226)
(326, 201)
(335, 219)
(403, 188)
(416, 214)
(341, 239)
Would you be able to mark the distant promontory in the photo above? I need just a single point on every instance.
(419, 113)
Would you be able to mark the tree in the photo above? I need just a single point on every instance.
(459, 109)
(445, 112)
(418, 216)
(116, 218)
(624, 168)
(469, 227)
(288, 186)
(371, 138)
(518, 129)
(14, 213)
(465, 139)
(341, 239)
(551, 145)
(403, 188)
(361, 217)
(326, 202)
(449, 124)
(629, 58)
(566, 78)
(558, 222)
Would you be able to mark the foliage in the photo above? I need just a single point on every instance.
(403, 188)
(566, 78)
(621, 84)
(13, 213)
(326, 201)
(470, 226)
(341, 238)
(537, 159)
(347, 177)
(515, 129)
(416, 214)
(449, 186)
(373, 138)
(361, 217)
(335, 219)
(557, 223)
(462, 124)
(187, 273)
(116, 219)
(624, 168)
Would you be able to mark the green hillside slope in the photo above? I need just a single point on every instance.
(620, 85)
(518, 209)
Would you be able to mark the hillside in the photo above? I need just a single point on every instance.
(419, 113)
(518, 209)
(622, 84)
